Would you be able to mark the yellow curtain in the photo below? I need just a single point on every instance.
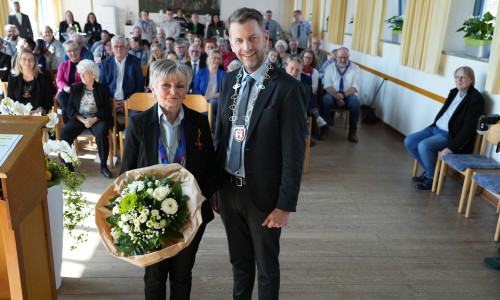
(336, 21)
(368, 25)
(305, 9)
(4, 12)
(424, 33)
(55, 14)
(492, 85)
(317, 21)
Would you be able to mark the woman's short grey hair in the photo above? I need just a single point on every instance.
(88, 64)
(70, 43)
(166, 68)
(211, 54)
(221, 41)
(118, 38)
(234, 65)
(281, 42)
(469, 72)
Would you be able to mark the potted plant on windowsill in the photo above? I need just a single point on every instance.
(396, 23)
(478, 34)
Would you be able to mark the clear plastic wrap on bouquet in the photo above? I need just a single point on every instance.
(189, 187)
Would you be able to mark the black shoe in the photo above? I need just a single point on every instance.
(492, 262)
(419, 178)
(425, 185)
(106, 172)
(312, 143)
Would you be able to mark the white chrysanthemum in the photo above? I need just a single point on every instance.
(124, 218)
(116, 210)
(120, 224)
(143, 218)
(126, 228)
(163, 223)
(149, 223)
(137, 228)
(156, 225)
(144, 211)
(115, 232)
(150, 191)
(137, 222)
(169, 206)
(155, 212)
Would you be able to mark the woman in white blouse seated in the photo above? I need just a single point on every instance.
(207, 81)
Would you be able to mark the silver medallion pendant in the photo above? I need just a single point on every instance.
(239, 133)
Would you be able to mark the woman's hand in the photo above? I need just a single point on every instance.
(445, 152)
(66, 89)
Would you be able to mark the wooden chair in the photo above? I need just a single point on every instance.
(341, 111)
(200, 104)
(137, 102)
(491, 183)
(468, 164)
(308, 146)
(144, 70)
(4, 88)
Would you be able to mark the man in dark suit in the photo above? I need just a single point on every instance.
(195, 63)
(20, 20)
(293, 47)
(5, 62)
(121, 72)
(259, 143)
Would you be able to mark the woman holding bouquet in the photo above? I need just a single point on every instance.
(172, 133)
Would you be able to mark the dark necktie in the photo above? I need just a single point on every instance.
(194, 69)
(235, 156)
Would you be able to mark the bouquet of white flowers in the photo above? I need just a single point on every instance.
(150, 214)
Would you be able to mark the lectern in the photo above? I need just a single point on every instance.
(26, 264)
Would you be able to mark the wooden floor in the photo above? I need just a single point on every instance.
(361, 231)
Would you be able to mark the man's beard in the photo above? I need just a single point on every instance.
(258, 62)
(13, 38)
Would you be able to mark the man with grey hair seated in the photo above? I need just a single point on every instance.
(180, 50)
(84, 52)
(121, 72)
(227, 54)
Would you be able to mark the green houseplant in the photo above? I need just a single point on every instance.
(396, 23)
(478, 34)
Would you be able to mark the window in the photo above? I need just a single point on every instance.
(401, 7)
(483, 6)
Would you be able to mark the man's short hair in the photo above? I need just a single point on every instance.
(296, 58)
(179, 42)
(244, 14)
(118, 38)
(170, 39)
(343, 48)
(298, 11)
(8, 26)
(145, 10)
(169, 9)
(334, 51)
(268, 11)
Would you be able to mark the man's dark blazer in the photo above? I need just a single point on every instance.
(299, 50)
(102, 100)
(25, 29)
(275, 140)
(200, 28)
(42, 93)
(307, 82)
(202, 64)
(133, 82)
(462, 125)
(5, 63)
(141, 150)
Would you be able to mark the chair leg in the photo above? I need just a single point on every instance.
(498, 207)
(120, 138)
(346, 120)
(442, 174)
(497, 232)
(472, 194)
(75, 142)
(415, 168)
(91, 141)
(465, 188)
(436, 174)
(110, 154)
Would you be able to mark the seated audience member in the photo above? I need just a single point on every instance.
(195, 63)
(341, 82)
(293, 63)
(148, 26)
(161, 39)
(273, 56)
(5, 63)
(234, 65)
(269, 44)
(198, 39)
(293, 47)
(84, 52)
(215, 28)
(309, 58)
(172, 56)
(68, 22)
(171, 26)
(182, 23)
(70, 31)
(93, 29)
(207, 81)
(333, 58)
(169, 44)
(67, 75)
(29, 85)
(316, 47)
(103, 51)
(55, 47)
(195, 27)
(89, 107)
(453, 129)
(156, 54)
(208, 46)
(137, 32)
(190, 37)
(10, 41)
(104, 36)
(137, 50)
(282, 48)
(227, 55)
(22, 43)
(180, 50)
(121, 72)
(40, 53)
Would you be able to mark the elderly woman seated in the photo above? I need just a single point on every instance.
(67, 75)
(89, 107)
(28, 85)
(453, 129)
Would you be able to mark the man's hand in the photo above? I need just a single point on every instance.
(445, 152)
(215, 203)
(277, 218)
(339, 98)
(119, 106)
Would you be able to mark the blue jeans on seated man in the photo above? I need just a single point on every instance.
(424, 146)
(352, 103)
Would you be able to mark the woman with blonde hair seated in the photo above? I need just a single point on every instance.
(156, 54)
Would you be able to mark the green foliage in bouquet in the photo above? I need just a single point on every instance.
(148, 213)
(479, 28)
